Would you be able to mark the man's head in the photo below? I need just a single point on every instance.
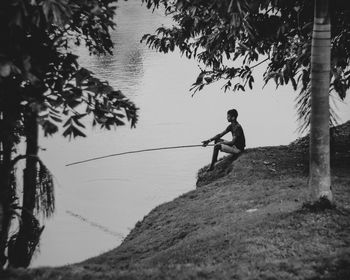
(232, 115)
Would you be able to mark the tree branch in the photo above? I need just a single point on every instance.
(20, 157)
(261, 62)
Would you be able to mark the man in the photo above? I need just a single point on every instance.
(235, 146)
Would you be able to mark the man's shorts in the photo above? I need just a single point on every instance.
(230, 149)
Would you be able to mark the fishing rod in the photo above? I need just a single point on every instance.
(137, 151)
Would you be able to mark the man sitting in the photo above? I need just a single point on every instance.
(235, 146)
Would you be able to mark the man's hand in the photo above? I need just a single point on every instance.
(205, 143)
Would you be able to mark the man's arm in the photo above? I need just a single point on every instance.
(216, 137)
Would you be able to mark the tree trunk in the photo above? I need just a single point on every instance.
(21, 251)
(5, 199)
(6, 178)
(319, 178)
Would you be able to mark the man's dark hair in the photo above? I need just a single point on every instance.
(233, 112)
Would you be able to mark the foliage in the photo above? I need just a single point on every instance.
(31, 236)
(40, 76)
(232, 37)
(35, 53)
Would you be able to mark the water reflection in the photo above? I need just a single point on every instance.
(125, 68)
(128, 67)
(133, 64)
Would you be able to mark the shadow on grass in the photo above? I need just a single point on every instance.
(321, 205)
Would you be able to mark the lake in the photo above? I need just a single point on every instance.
(99, 202)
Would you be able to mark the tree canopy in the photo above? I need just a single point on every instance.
(232, 37)
(40, 69)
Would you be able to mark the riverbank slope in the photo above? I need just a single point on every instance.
(247, 219)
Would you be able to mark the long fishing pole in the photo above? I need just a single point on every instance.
(137, 151)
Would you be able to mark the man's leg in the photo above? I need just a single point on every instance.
(214, 158)
(223, 148)
(230, 149)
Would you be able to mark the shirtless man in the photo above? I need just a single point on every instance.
(235, 146)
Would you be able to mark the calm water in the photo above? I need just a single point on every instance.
(99, 202)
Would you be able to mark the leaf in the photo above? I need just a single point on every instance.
(82, 75)
(72, 131)
(5, 69)
(117, 94)
(208, 79)
(230, 7)
(79, 124)
(251, 81)
(49, 127)
(119, 122)
(200, 78)
(56, 12)
(56, 119)
(241, 87)
(295, 86)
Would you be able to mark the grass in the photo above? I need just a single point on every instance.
(247, 219)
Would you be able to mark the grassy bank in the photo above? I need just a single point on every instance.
(247, 219)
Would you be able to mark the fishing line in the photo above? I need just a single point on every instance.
(96, 225)
(137, 151)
